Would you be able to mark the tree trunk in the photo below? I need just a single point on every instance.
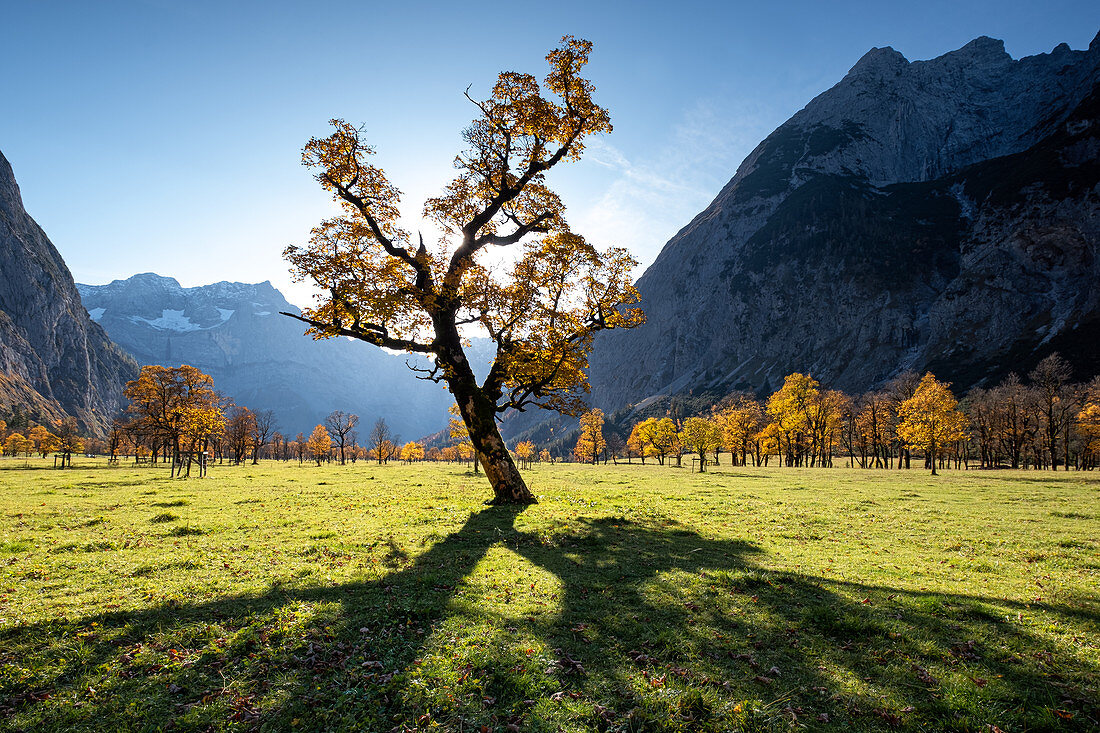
(479, 415)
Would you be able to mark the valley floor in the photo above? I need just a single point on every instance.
(287, 597)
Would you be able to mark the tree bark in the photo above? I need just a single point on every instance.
(478, 411)
(479, 414)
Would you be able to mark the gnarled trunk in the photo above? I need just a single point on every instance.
(479, 414)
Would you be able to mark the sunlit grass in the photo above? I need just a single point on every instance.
(629, 598)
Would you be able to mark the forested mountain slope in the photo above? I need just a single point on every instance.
(940, 214)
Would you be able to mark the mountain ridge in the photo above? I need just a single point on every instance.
(54, 361)
(834, 211)
(234, 332)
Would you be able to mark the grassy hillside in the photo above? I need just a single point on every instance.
(630, 598)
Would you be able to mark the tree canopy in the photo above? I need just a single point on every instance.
(541, 313)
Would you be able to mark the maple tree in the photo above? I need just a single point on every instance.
(658, 437)
(340, 424)
(591, 441)
(1050, 380)
(17, 443)
(702, 436)
(240, 431)
(177, 406)
(541, 313)
(412, 451)
(739, 423)
(319, 444)
(44, 441)
(930, 419)
(381, 441)
(525, 452)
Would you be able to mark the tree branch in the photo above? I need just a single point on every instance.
(369, 332)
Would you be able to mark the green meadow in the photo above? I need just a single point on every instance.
(630, 598)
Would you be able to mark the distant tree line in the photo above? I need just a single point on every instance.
(1045, 422)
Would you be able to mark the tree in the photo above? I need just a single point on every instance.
(380, 440)
(17, 443)
(591, 441)
(319, 444)
(412, 452)
(340, 424)
(525, 452)
(265, 426)
(299, 446)
(635, 444)
(44, 441)
(739, 423)
(1050, 379)
(167, 400)
(615, 447)
(898, 390)
(1088, 424)
(658, 437)
(790, 407)
(541, 313)
(240, 432)
(931, 419)
(701, 436)
(458, 431)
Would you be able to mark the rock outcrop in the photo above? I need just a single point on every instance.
(938, 214)
(54, 361)
(233, 332)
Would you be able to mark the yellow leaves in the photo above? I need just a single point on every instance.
(790, 405)
(591, 441)
(525, 450)
(411, 451)
(341, 160)
(658, 437)
(520, 134)
(931, 417)
(319, 443)
(178, 402)
(701, 435)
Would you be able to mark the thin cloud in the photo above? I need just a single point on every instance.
(653, 196)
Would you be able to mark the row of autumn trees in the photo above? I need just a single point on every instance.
(1045, 422)
(61, 437)
(177, 416)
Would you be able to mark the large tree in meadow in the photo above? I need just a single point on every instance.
(340, 424)
(177, 405)
(931, 419)
(541, 312)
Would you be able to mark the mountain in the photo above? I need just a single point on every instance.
(939, 214)
(233, 332)
(54, 361)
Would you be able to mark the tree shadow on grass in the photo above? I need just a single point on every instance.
(656, 628)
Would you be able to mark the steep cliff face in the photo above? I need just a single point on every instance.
(53, 359)
(936, 215)
(233, 331)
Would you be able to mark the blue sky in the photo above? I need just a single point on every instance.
(165, 135)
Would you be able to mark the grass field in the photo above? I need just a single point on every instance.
(630, 598)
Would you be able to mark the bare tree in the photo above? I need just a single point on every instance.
(1057, 403)
(240, 431)
(261, 436)
(380, 439)
(339, 424)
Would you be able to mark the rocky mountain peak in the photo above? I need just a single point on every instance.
(905, 204)
(53, 360)
(879, 62)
